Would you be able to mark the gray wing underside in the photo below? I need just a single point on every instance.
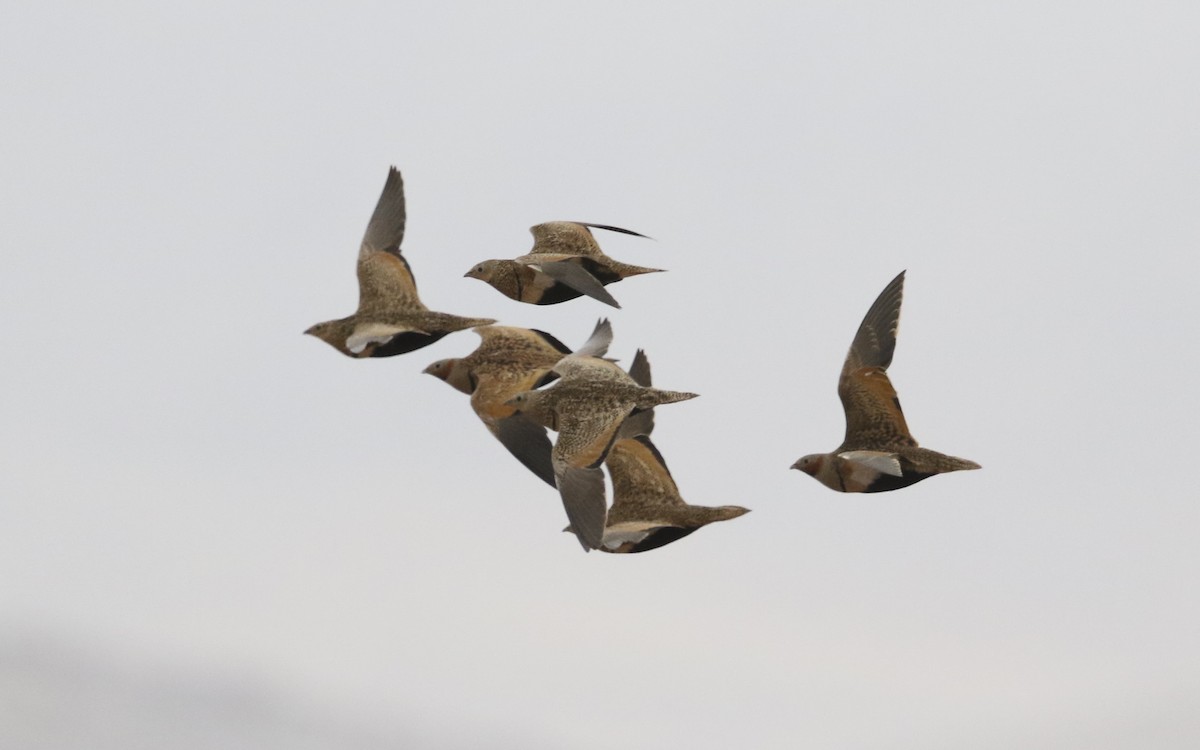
(598, 343)
(385, 230)
(875, 342)
(576, 277)
(528, 442)
(582, 492)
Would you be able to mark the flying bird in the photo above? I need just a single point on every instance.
(390, 319)
(566, 262)
(587, 407)
(508, 361)
(648, 511)
(878, 453)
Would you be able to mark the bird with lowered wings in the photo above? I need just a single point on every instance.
(587, 407)
(565, 262)
(508, 361)
(647, 510)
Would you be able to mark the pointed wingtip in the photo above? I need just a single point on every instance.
(597, 344)
(611, 228)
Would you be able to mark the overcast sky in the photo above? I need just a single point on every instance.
(195, 498)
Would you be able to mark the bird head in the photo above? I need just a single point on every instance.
(810, 464)
(483, 271)
(332, 332)
(454, 371)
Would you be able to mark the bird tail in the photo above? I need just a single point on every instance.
(955, 463)
(654, 397)
(627, 270)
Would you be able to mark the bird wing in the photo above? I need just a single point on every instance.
(528, 442)
(610, 228)
(640, 422)
(639, 369)
(564, 237)
(874, 420)
(585, 435)
(582, 493)
(385, 230)
(590, 368)
(642, 483)
(875, 341)
(570, 273)
(385, 284)
(598, 343)
(385, 279)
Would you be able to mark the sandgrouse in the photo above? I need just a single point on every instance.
(390, 319)
(587, 407)
(566, 262)
(878, 453)
(508, 361)
(648, 511)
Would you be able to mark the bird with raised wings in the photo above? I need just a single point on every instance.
(587, 407)
(508, 361)
(878, 453)
(566, 262)
(647, 510)
(390, 319)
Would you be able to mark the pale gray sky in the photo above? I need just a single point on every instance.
(194, 489)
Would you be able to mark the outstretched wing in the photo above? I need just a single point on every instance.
(874, 420)
(385, 230)
(385, 283)
(385, 280)
(642, 483)
(875, 341)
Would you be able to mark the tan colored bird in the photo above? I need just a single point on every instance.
(566, 262)
(508, 361)
(878, 453)
(587, 407)
(390, 319)
(648, 511)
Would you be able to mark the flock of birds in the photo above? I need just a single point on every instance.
(524, 381)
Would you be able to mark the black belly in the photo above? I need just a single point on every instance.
(403, 343)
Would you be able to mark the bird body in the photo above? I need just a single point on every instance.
(508, 361)
(390, 319)
(648, 511)
(878, 453)
(587, 407)
(565, 262)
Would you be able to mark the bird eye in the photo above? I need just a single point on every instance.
(478, 269)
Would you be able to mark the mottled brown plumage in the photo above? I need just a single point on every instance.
(587, 407)
(566, 262)
(390, 319)
(508, 361)
(648, 511)
(878, 453)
